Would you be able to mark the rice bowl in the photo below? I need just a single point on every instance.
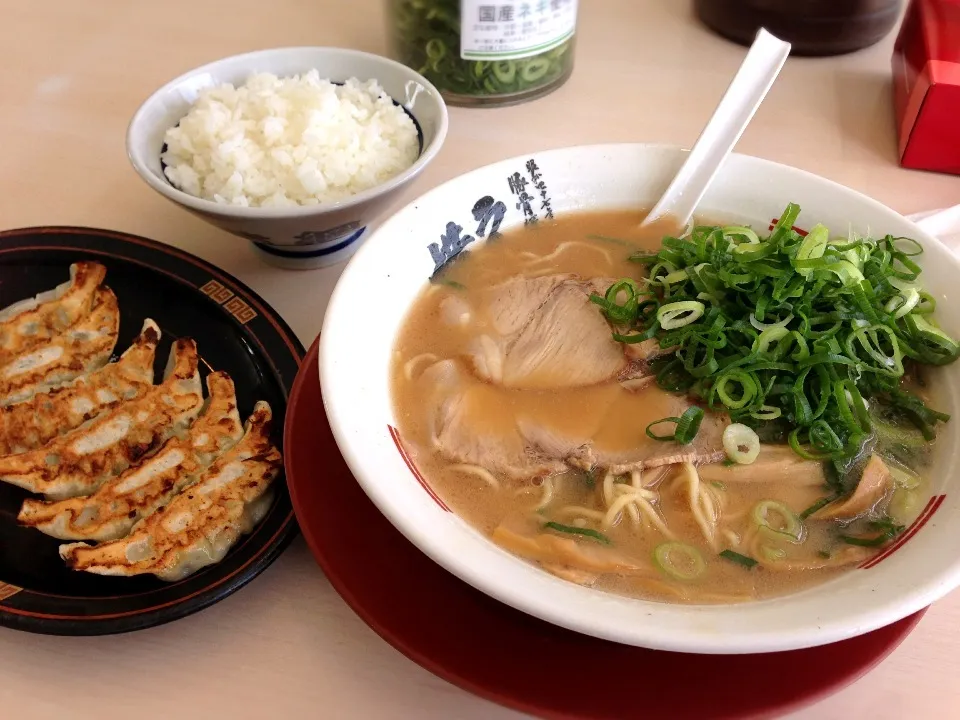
(298, 140)
(289, 234)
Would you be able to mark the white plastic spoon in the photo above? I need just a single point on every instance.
(939, 222)
(747, 90)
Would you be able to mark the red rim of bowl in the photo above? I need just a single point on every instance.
(839, 664)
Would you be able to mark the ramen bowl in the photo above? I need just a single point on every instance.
(304, 236)
(919, 567)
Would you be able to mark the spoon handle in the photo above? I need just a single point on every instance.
(737, 107)
(939, 222)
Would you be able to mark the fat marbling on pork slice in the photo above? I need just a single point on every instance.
(457, 403)
(110, 512)
(78, 462)
(33, 423)
(546, 334)
(82, 348)
(32, 322)
(200, 525)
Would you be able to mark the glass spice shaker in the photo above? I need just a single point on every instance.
(485, 53)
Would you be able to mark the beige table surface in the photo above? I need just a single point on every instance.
(71, 75)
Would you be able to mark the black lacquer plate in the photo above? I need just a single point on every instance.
(236, 331)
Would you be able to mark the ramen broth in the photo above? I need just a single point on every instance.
(586, 521)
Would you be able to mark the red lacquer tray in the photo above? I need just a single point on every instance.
(502, 654)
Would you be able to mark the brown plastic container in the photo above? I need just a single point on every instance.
(813, 27)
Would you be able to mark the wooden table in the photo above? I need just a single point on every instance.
(287, 645)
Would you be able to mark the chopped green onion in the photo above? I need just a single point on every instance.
(571, 530)
(889, 434)
(759, 325)
(769, 336)
(729, 380)
(871, 542)
(932, 334)
(678, 314)
(773, 554)
(504, 71)
(767, 412)
(812, 247)
(679, 560)
(900, 305)
(590, 479)
(687, 426)
(821, 503)
(744, 560)
(748, 235)
(880, 344)
(789, 524)
(741, 443)
(903, 504)
(795, 334)
(902, 477)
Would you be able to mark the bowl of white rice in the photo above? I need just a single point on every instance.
(297, 150)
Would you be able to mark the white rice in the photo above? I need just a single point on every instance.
(300, 140)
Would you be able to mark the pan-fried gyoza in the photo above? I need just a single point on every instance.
(80, 461)
(32, 322)
(82, 348)
(114, 453)
(121, 502)
(203, 522)
(31, 424)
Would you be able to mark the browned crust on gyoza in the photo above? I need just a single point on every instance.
(121, 501)
(33, 423)
(79, 473)
(216, 508)
(80, 354)
(53, 316)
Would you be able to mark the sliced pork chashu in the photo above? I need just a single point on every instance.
(84, 347)
(200, 525)
(32, 322)
(596, 427)
(122, 501)
(78, 462)
(619, 446)
(463, 430)
(545, 333)
(30, 424)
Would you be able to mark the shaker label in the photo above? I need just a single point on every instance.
(497, 30)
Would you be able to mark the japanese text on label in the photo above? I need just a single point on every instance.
(499, 30)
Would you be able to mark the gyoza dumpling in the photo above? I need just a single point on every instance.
(82, 348)
(120, 502)
(32, 322)
(203, 522)
(30, 424)
(80, 461)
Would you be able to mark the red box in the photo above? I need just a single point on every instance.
(926, 86)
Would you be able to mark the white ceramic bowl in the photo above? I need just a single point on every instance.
(354, 373)
(295, 237)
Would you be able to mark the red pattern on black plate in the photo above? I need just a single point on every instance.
(502, 654)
